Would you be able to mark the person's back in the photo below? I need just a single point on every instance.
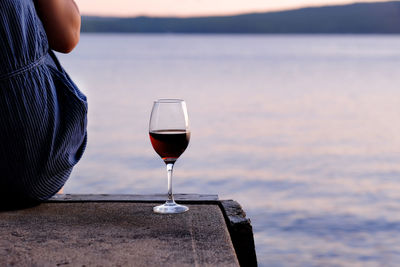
(42, 112)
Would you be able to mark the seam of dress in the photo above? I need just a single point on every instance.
(23, 69)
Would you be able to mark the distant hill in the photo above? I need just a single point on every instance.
(379, 17)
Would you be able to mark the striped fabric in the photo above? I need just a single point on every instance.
(42, 112)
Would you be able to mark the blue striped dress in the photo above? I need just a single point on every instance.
(42, 112)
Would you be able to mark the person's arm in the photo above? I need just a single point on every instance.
(62, 22)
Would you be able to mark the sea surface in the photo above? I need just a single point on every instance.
(302, 130)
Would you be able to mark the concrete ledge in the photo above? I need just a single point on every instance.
(189, 198)
(241, 232)
(110, 230)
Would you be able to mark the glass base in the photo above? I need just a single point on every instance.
(170, 207)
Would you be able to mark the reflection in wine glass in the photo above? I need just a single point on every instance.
(169, 135)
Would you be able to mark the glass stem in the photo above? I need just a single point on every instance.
(170, 167)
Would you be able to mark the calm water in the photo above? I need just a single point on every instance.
(303, 131)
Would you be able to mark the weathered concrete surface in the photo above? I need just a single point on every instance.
(182, 198)
(241, 232)
(114, 234)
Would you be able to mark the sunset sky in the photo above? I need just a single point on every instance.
(194, 7)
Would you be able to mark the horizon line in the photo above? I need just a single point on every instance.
(228, 14)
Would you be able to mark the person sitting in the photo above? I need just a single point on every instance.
(43, 114)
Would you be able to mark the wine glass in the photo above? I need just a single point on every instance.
(169, 135)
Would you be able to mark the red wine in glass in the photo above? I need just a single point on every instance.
(169, 144)
(169, 134)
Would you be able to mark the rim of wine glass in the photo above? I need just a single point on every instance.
(169, 100)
